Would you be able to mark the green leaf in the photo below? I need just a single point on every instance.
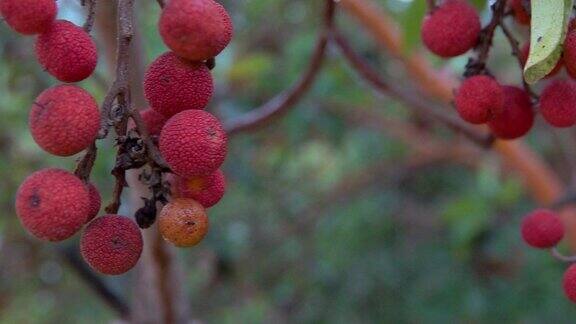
(411, 23)
(548, 29)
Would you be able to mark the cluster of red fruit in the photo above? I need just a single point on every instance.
(454, 27)
(54, 204)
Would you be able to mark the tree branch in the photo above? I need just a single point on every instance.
(90, 15)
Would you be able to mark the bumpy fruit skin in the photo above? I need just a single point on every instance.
(525, 51)
(195, 29)
(518, 116)
(67, 52)
(479, 99)
(52, 204)
(520, 14)
(111, 244)
(95, 201)
(154, 121)
(569, 283)
(207, 190)
(29, 17)
(542, 229)
(569, 55)
(193, 143)
(558, 103)
(64, 120)
(451, 29)
(183, 222)
(172, 85)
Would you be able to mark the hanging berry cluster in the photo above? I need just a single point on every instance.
(175, 142)
(453, 28)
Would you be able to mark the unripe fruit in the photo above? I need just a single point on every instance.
(558, 103)
(183, 222)
(569, 55)
(29, 17)
(518, 116)
(64, 120)
(207, 190)
(542, 229)
(479, 99)
(111, 244)
(52, 204)
(520, 14)
(525, 51)
(67, 52)
(195, 29)
(95, 201)
(172, 85)
(193, 143)
(569, 283)
(451, 29)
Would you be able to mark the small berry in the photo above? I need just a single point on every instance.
(111, 244)
(542, 229)
(525, 51)
(520, 14)
(64, 120)
(479, 99)
(558, 103)
(95, 201)
(451, 29)
(195, 29)
(569, 55)
(518, 116)
(569, 283)
(183, 222)
(172, 85)
(193, 143)
(207, 190)
(52, 204)
(153, 120)
(67, 52)
(29, 17)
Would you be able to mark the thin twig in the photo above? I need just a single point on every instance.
(559, 256)
(84, 167)
(161, 3)
(284, 101)
(413, 101)
(90, 15)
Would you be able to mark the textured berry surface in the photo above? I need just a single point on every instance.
(67, 52)
(558, 103)
(193, 143)
(542, 229)
(52, 204)
(520, 13)
(111, 244)
(569, 283)
(95, 201)
(207, 190)
(172, 85)
(518, 116)
(29, 17)
(195, 29)
(183, 222)
(64, 120)
(452, 29)
(479, 99)
(569, 56)
(153, 120)
(525, 51)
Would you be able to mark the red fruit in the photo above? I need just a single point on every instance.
(569, 55)
(95, 201)
(64, 120)
(569, 283)
(111, 244)
(153, 120)
(172, 85)
(29, 17)
(520, 14)
(525, 51)
(52, 204)
(195, 29)
(67, 52)
(183, 222)
(480, 99)
(451, 29)
(558, 103)
(193, 143)
(207, 190)
(542, 229)
(518, 116)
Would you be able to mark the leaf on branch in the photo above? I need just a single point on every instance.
(548, 29)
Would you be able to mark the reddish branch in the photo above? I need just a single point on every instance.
(515, 45)
(280, 104)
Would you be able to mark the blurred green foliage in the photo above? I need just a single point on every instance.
(324, 220)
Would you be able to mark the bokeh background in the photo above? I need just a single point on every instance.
(331, 214)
